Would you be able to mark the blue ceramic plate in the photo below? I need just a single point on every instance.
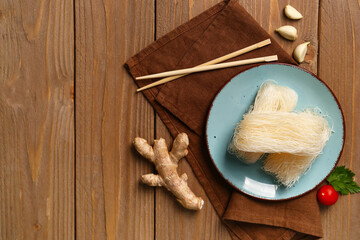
(234, 100)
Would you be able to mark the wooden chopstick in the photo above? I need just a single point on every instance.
(214, 61)
(212, 67)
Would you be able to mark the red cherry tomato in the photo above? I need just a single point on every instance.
(327, 195)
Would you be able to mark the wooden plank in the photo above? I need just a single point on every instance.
(338, 67)
(90, 209)
(36, 120)
(110, 201)
(172, 222)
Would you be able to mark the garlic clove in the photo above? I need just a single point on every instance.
(292, 13)
(300, 52)
(288, 32)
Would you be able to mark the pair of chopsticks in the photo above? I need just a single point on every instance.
(211, 65)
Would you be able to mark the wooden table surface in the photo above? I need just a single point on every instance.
(69, 112)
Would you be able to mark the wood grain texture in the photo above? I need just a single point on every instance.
(70, 172)
(89, 82)
(110, 201)
(36, 120)
(339, 67)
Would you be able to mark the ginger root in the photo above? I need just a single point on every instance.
(166, 164)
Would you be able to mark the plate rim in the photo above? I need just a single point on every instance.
(305, 192)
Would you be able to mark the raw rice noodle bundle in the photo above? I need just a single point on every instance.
(294, 140)
(303, 134)
(270, 98)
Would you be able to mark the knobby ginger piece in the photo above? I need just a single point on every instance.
(166, 164)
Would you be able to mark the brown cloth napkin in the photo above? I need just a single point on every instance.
(183, 105)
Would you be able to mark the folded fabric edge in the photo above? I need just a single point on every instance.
(288, 234)
(232, 226)
(310, 229)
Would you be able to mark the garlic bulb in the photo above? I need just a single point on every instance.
(292, 13)
(288, 32)
(300, 52)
